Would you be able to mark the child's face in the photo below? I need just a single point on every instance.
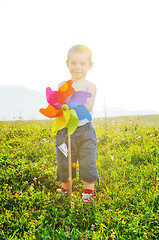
(79, 65)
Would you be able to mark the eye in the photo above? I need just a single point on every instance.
(72, 63)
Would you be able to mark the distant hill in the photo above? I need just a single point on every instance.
(21, 102)
(113, 112)
(17, 102)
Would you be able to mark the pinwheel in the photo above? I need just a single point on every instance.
(67, 107)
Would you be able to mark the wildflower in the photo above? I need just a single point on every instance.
(85, 220)
(92, 228)
(26, 214)
(74, 164)
(145, 234)
(112, 235)
(61, 220)
(43, 167)
(35, 179)
(58, 207)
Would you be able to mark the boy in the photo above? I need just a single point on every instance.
(83, 140)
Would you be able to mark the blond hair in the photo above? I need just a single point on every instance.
(81, 49)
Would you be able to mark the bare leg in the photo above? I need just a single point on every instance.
(89, 185)
(65, 185)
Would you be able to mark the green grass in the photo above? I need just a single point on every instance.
(127, 198)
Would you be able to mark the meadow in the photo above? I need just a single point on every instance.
(126, 201)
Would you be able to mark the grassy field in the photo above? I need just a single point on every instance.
(126, 201)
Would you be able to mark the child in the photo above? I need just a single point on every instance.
(83, 140)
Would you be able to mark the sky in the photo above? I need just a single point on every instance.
(35, 36)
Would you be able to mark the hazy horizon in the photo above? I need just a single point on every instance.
(18, 102)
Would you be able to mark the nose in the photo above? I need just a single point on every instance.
(77, 66)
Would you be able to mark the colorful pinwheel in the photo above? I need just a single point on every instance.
(67, 107)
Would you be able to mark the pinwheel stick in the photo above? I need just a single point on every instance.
(69, 160)
(70, 167)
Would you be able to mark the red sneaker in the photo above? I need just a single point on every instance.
(88, 195)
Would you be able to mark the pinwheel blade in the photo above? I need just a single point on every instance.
(48, 93)
(53, 98)
(73, 122)
(73, 105)
(66, 112)
(64, 87)
(61, 98)
(82, 112)
(68, 99)
(61, 122)
(50, 112)
(67, 89)
(80, 97)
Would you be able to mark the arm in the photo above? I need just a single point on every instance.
(90, 101)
